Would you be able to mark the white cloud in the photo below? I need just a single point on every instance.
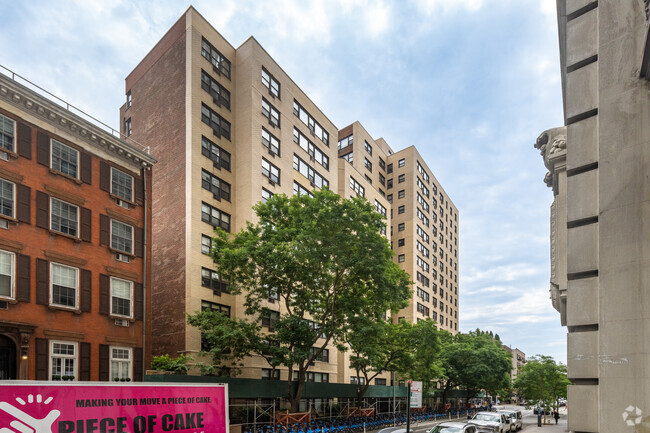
(510, 272)
(377, 18)
(432, 6)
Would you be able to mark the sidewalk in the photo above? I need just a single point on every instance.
(560, 427)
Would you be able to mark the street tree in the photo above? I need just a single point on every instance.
(542, 380)
(307, 268)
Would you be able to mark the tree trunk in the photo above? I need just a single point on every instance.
(294, 397)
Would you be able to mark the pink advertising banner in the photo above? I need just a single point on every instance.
(43, 407)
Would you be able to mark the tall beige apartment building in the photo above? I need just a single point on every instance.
(598, 166)
(230, 128)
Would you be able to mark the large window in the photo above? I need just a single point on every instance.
(422, 309)
(345, 142)
(424, 174)
(422, 234)
(271, 83)
(64, 287)
(314, 127)
(219, 157)
(422, 279)
(367, 164)
(210, 280)
(121, 237)
(423, 295)
(357, 187)
(121, 363)
(271, 142)
(423, 187)
(121, 297)
(271, 172)
(271, 113)
(215, 217)
(306, 170)
(422, 249)
(7, 198)
(269, 318)
(300, 190)
(219, 94)
(270, 374)
(423, 217)
(220, 126)
(314, 152)
(63, 360)
(206, 244)
(121, 184)
(368, 147)
(380, 208)
(7, 133)
(220, 64)
(218, 188)
(65, 159)
(64, 217)
(312, 376)
(324, 355)
(7, 274)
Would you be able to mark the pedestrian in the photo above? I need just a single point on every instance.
(556, 415)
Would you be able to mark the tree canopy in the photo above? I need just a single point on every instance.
(308, 269)
(543, 380)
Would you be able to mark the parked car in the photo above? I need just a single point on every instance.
(454, 427)
(490, 422)
(516, 422)
(539, 409)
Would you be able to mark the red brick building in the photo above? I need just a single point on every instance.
(74, 223)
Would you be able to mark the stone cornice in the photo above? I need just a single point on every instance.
(552, 146)
(42, 108)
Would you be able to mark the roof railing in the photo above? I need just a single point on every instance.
(71, 108)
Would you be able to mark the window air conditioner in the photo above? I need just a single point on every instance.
(122, 258)
(122, 322)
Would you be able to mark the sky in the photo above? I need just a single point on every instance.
(470, 83)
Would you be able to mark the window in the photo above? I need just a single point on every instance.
(65, 159)
(401, 193)
(380, 208)
(220, 95)
(220, 126)
(206, 244)
(314, 152)
(401, 242)
(345, 142)
(425, 175)
(323, 357)
(401, 227)
(266, 195)
(63, 360)
(120, 363)
(271, 113)
(423, 234)
(270, 374)
(401, 178)
(215, 217)
(367, 179)
(269, 318)
(271, 142)
(423, 217)
(357, 380)
(64, 285)
(7, 133)
(121, 236)
(210, 280)
(422, 249)
(368, 147)
(312, 376)
(401, 162)
(7, 198)
(389, 183)
(127, 127)
(7, 274)
(423, 295)
(121, 184)
(382, 164)
(128, 99)
(64, 217)
(367, 164)
(213, 306)
(218, 188)
(300, 190)
(349, 157)
(314, 127)
(382, 179)
(356, 187)
(422, 279)
(220, 64)
(422, 309)
(422, 264)
(401, 209)
(306, 170)
(270, 171)
(271, 83)
(219, 157)
(389, 169)
(423, 203)
(389, 197)
(401, 258)
(121, 297)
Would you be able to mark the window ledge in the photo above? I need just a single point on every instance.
(116, 197)
(58, 173)
(73, 238)
(12, 301)
(8, 218)
(116, 316)
(62, 308)
(124, 253)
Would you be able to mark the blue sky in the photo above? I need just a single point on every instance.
(470, 83)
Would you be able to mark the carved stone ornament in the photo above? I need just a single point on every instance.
(552, 146)
(647, 10)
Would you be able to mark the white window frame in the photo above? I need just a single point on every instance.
(131, 253)
(12, 275)
(78, 234)
(113, 314)
(76, 288)
(52, 141)
(130, 199)
(13, 142)
(112, 374)
(53, 356)
(13, 199)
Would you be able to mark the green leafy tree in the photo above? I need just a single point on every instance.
(543, 380)
(323, 261)
(426, 345)
(178, 365)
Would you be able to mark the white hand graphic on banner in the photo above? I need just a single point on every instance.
(26, 423)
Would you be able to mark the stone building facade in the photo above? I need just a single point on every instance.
(73, 251)
(600, 236)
